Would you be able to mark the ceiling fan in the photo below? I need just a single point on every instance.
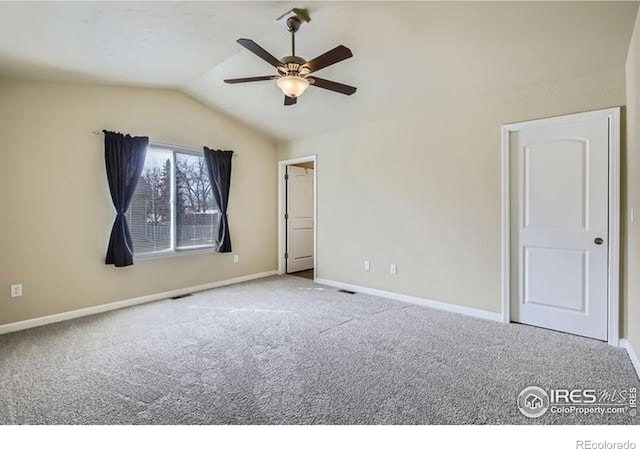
(293, 72)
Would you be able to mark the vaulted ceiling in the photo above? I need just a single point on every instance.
(407, 55)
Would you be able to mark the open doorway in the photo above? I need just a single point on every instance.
(297, 217)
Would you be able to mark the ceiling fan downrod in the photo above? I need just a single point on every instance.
(293, 23)
(293, 43)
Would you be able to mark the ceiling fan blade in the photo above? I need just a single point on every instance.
(260, 52)
(288, 101)
(332, 85)
(340, 53)
(250, 79)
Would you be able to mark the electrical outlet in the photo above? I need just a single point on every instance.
(16, 290)
(393, 268)
(367, 266)
(236, 258)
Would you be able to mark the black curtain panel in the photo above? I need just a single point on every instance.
(124, 158)
(219, 168)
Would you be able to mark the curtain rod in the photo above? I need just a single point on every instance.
(95, 132)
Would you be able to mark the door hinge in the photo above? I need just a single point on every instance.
(286, 177)
(286, 255)
(286, 216)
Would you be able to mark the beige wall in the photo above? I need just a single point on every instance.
(56, 213)
(420, 190)
(631, 251)
(423, 190)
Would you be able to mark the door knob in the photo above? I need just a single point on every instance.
(598, 241)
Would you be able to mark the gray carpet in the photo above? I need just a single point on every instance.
(283, 350)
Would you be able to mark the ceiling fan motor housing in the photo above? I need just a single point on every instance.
(294, 65)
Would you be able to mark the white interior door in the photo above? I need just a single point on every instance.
(559, 226)
(299, 219)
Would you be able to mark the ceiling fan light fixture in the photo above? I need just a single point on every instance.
(295, 74)
(292, 86)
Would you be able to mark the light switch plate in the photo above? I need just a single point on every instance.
(236, 258)
(16, 290)
(366, 265)
(393, 269)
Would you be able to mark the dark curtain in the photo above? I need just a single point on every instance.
(219, 168)
(124, 159)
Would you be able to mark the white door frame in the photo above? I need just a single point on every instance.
(613, 300)
(282, 202)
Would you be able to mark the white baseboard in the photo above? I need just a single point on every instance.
(478, 313)
(626, 344)
(41, 321)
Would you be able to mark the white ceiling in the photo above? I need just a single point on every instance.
(407, 55)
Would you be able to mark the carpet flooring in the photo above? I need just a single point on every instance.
(283, 350)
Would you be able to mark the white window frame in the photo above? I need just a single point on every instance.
(174, 251)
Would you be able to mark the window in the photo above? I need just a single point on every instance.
(172, 208)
